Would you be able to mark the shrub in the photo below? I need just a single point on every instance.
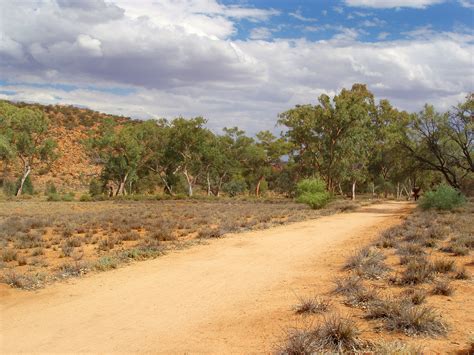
(348, 285)
(400, 315)
(106, 263)
(235, 187)
(50, 189)
(443, 198)
(443, 265)
(337, 334)
(85, 198)
(9, 188)
(9, 255)
(299, 342)
(462, 274)
(368, 263)
(442, 288)
(416, 272)
(95, 187)
(361, 297)
(207, 233)
(334, 334)
(28, 188)
(312, 305)
(24, 281)
(415, 296)
(312, 192)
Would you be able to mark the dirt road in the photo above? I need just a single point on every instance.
(232, 295)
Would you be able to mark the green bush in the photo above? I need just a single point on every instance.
(55, 197)
(443, 198)
(312, 192)
(95, 187)
(50, 189)
(235, 187)
(9, 188)
(85, 198)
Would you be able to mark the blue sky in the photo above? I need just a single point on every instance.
(234, 62)
(319, 20)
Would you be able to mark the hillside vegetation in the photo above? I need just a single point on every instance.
(349, 143)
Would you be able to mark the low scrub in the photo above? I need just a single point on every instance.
(334, 334)
(367, 263)
(312, 305)
(443, 198)
(443, 288)
(416, 272)
(403, 316)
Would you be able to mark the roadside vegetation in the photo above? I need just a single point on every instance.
(57, 240)
(397, 287)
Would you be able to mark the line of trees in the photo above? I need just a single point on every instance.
(350, 141)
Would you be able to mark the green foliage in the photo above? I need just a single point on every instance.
(312, 192)
(9, 188)
(56, 197)
(50, 189)
(95, 187)
(28, 188)
(235, 187)
(85, 198)
(444, 197)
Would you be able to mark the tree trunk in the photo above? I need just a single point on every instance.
(353, 191)
(257, 188)
(26, 172)
(121, 188)
(189, 181)
(340, 189)
(398, 190)
(373, 190)
(208, 184)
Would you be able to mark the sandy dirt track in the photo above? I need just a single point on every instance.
(232, 295)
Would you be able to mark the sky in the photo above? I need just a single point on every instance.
(234, 62)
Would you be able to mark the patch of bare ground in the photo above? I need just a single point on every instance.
(411, 287)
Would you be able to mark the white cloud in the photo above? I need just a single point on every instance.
(299, 16)
(384, 4)
(260, 33)
(193, 66)
(467, 3)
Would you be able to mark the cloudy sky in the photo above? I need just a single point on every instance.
(235, 62)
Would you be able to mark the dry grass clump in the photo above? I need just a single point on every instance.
(9, 255)
(395, 347)
(334, 334)
(208, 233)
(23, 281)
(312, 305)
(348, 285)
(417, 271)
(367, 263)
(462, 274)
(415, 295)
(443, 288)
(403, 316)
(443, 266)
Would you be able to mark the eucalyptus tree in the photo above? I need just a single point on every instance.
(323, 135)
(24, 137)
(187, 142)
(119, 149)
(443, 142)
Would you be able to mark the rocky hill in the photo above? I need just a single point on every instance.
(69, 126)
